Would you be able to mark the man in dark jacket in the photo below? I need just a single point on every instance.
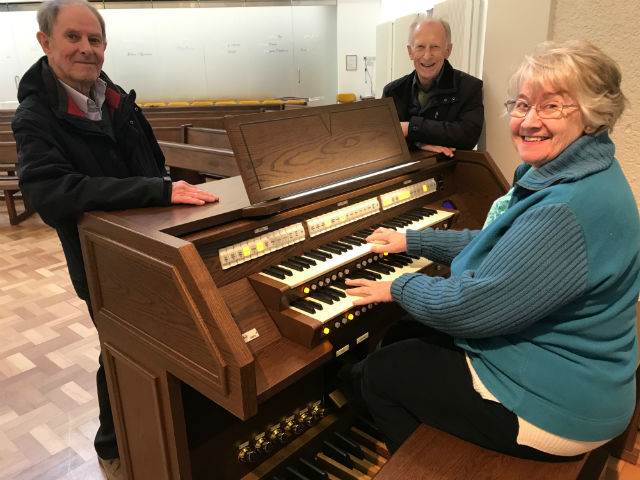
(83, 144)
(440, 108)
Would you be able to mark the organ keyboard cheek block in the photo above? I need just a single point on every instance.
(244, 300)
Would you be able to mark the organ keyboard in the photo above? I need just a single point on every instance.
(222, 326)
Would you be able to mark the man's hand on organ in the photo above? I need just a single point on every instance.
(183, 192)
(368, 291)
(448, 151)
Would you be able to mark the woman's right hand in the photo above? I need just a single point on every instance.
(387, 240)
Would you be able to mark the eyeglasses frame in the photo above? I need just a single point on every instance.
(512, 103)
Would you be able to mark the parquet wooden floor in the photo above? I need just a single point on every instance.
(48, 359)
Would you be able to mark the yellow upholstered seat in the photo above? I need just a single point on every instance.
(155, 104)
(249, 102)
(178, 104)
(346, 97)
(202, 103)
(272, 102)
(226, 102)
(296, 101)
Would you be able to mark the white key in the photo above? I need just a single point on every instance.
(340, 306)
(338, 260)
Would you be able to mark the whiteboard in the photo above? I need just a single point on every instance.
(186, 54)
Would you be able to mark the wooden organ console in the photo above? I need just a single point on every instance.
(221, 326)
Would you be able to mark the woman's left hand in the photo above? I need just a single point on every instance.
(369, 291)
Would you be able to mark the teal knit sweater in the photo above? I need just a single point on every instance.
(544, 299)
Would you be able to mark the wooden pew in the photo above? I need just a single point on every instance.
(168, 134)
(206, 122)
(170, 130)
(6, 115)
(6, 136)
(209, 110)
(9, 183)
(205, 137)
(195, 164)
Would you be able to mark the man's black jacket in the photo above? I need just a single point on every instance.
(453, 115)
(68, 164)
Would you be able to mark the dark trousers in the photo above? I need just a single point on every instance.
(105, 442)
(419, 376)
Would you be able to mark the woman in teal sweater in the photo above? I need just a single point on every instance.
(529, 347)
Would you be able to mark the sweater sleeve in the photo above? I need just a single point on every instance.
(539, 265)
(441, 246)
(59, 192)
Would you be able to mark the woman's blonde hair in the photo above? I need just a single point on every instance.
(583, 71)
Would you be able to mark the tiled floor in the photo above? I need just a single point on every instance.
(48, 359)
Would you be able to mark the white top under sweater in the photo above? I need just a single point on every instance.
(534, 437)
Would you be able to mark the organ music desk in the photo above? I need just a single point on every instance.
(239, 300)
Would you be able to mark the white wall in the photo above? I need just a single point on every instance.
(357, 21)
(508, 38)
(612, 26)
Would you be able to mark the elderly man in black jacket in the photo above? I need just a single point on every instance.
(83, 144)
(440, 108)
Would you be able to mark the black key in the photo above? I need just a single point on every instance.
(295, 474)
(398, 258)
(347, 445)
(392, 262)
(312, 471)
(404, 256)
(277, 268)
(322, 297)
(308, 261)
(318, 255)
(331, 249)
(331, 293)
(340, 246)
(428, 211)
(352, 241)
(274, 273)
(377, 267)
(367, 275)
(339, 455)
(348, 246)
(292, 265)
(397, 221)
(315, 305)
(368, 426)
(300, 263)
(389, 225)
(340, 293)
(340, 284)
(403, 222)
(411, 216)
(304, 305)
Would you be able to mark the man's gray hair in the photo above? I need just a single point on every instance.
(48, 13)
(424, 18)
